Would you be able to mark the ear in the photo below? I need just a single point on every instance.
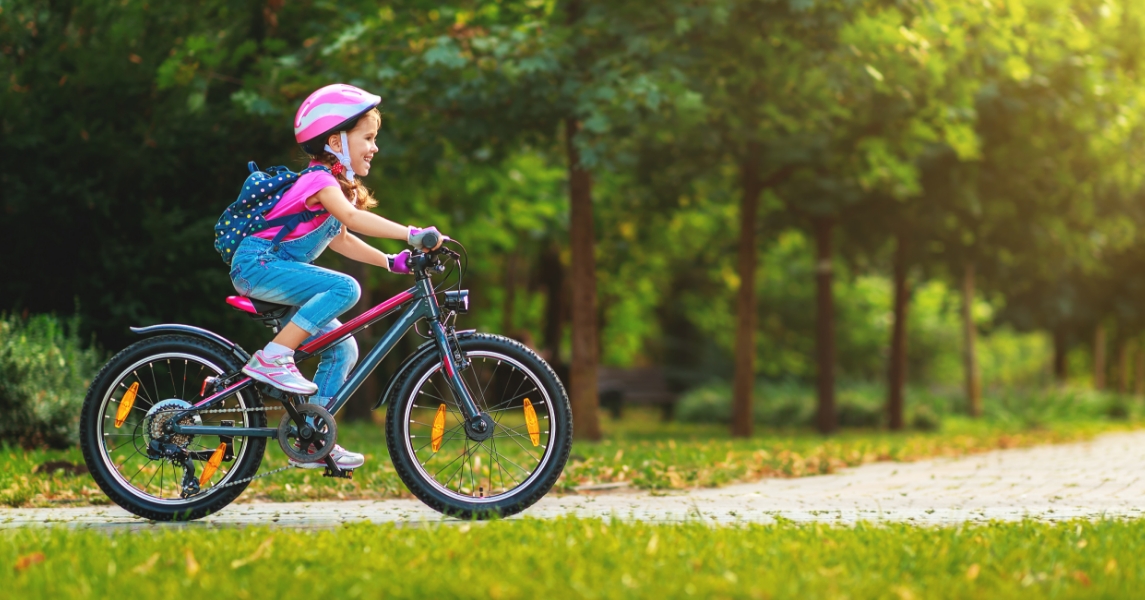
(335, 142)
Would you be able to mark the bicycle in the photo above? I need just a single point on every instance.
(171, 429)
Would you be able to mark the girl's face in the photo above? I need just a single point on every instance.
(362, 139)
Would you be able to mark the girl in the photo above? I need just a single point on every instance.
(337, 126)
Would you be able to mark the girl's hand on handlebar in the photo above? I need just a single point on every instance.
(399, 263)
(425, 239)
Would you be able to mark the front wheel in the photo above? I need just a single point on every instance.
(494, 477)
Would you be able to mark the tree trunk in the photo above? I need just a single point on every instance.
(751, 187)
(1099, 358)
(897, 371)
(360, 404)
(510, 305)
(582, 376)
(972, 377)
(825, 326)
(1124, 351)
(552, 277)
(1139, 376)
(1060, 368)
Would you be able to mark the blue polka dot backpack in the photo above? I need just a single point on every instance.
(261, 191)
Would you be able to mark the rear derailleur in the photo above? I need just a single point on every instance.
(180, 457)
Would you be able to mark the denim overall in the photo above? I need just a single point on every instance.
(284, 275)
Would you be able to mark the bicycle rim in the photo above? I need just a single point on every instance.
(163, 377)
(492, 470)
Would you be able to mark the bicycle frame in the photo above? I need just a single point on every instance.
(422, 304)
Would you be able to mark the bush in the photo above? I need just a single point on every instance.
(44, 373)
(864, 405)
(925, 419)
(784, 405)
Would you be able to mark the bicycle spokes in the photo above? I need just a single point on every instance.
(486, 466)
(136, 411)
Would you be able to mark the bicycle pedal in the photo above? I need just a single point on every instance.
(339, 473)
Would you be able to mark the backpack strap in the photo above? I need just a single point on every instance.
(314, 168)
(290, 222)
(252, 167)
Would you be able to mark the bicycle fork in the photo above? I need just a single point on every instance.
(478, 425)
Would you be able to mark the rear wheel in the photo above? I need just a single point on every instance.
(129, 401)
(495, 477)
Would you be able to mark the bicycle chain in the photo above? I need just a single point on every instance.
(235, 410)
(221, 410)
(247, 479)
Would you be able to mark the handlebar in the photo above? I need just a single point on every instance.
(425, 261)
(430, 239)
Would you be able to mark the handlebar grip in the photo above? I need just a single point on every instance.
(430, 239)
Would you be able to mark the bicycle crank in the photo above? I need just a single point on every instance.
(307, 433)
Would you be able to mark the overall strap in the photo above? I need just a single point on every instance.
(290, 222)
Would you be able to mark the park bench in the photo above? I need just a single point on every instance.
(641, 386)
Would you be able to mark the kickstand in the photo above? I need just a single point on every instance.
(332, 470)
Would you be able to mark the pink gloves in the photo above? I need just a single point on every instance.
(399, 263)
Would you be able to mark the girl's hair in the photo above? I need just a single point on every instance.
(355, 190)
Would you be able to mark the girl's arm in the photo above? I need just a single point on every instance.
(360, 221)
(352, 247)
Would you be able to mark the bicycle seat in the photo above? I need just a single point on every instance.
(257, 307)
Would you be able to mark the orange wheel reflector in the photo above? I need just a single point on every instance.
(438, 429)
(212, 464)
(125, 404)
(531, 423)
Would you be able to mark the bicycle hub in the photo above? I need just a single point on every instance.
(480, 428)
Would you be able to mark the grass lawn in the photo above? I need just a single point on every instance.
(639, 450)
(582, 558)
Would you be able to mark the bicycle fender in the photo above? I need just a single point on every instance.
(199, 332)
(421, 351)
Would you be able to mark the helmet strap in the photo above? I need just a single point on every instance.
(343, 158)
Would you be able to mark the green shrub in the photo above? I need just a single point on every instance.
(864, 405)
(924, 418)
(44, 373)
(784, 405)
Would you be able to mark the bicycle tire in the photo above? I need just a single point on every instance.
(406, 464)
(94, 412)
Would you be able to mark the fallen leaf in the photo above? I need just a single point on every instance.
(972, 572)
(1110, 566)
(146, 565)
(257, 554)
(192, 564)
(28, 560)
(1081, 577)
(653, 543)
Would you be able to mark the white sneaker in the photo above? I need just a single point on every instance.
(280, 372)
(342, 457)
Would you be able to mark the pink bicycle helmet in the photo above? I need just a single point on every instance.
(329, 110)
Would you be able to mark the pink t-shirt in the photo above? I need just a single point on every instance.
(294, 201)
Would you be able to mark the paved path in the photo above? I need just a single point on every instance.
(1105, 477)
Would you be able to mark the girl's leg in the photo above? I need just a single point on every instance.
(334, 366)
(320, 294)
